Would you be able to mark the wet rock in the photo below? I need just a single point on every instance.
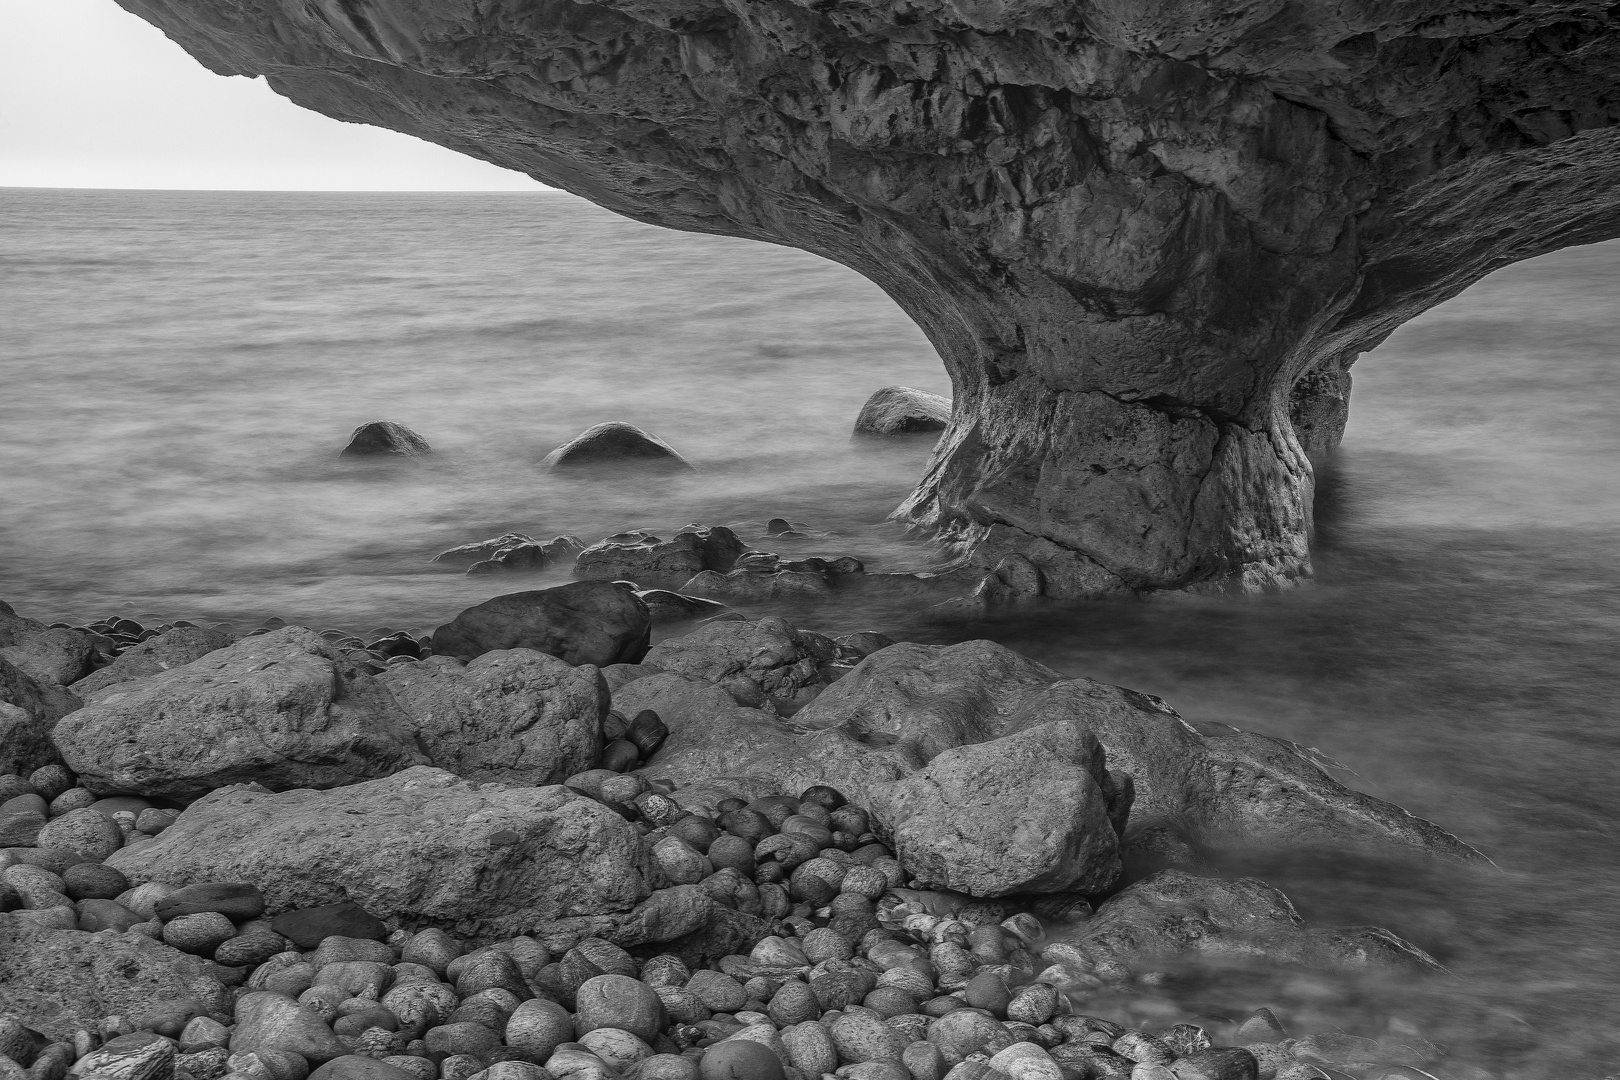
(1174, 913)
(861, 1036)
(169, 650)
(651, 562)
(411, 847)
(482, 550)
(384, 438)
(615, 444)
(58, 981)
(1225, 1063)
(901, 410)
(268, 1021)
(281, 709)
(750, 587)
(586, 622)
(668, 607)
(516, 716)
(530, 556)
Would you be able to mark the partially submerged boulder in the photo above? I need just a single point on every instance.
(467, 554)
(422, 846)
(169, 650)
(60, 981)
(281, 709)
(585, 622)
(384, 438)
(1176, 914)
(514, 716)
(616, 444)
(902, 410)
(641, 557)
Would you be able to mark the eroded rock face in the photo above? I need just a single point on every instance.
(1130, 228)
(423, 846)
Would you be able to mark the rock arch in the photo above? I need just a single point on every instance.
(1147, 237)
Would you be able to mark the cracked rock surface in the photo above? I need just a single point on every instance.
(1147, 239)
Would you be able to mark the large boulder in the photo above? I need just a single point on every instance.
(58, 981)
(169, 650)
(423, 847)
(29, 710)
(616, 444)
(281, 709)
(1177, 914)
(53, 655)
(516, 716)
(584, 622)
(902, 410)
(1025, 813)
(649, 561)
(384, 438)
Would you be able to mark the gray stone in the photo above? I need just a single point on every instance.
(652, 562)
(53, 655)
(512, 715)
(58, 981)
(616, 444)
(266, 1020)
(617, 1001)
(165, 652)
(585, 622)
(29, 709)
(422, 846)
(384, 438)
(140, 1055)
(768, 662)
(281, 709)
(902, 410)
(83, 832)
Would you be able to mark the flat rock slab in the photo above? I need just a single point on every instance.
(59, 980)
(281, 709)
(423, 846)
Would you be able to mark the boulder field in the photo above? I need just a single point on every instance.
(749, 851)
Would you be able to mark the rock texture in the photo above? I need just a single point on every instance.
(652, 562)
(384, 438)
(1130, 228)
(169, 650)
(61, 980)
(280, 709)
(586, 622)
(902, 410)
(423, 846)
(619, 445)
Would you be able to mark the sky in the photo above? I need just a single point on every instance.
(91, 96)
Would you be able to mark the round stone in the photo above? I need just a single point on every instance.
(616, 1046)
(198, 934)
(824, 944)
(1033, 1004)
(794, 1003)
(51, 780)
(862, 1036)
(668, 1067)
(75, 798)
(989, 992)
(731, 851)
(81, 832)
(863, 881)
(93, 881)
(740, 1059)
(810, 1048)
(717, 991)
(665, 970)
(250, 950)
(468, 1040)
(618, 1001)
(681, 863)
(432, 948)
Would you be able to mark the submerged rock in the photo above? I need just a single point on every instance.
(616, 444)
(385, 438)
(649, 561)
(281, 709)
(422, 846)
(901, 410)
(585, 622)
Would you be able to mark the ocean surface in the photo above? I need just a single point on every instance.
(178, 371)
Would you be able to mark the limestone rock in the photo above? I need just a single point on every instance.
(61, 980)
(585, 622)
(512, 715)
(649, 561)
(422, 846)
(384, 438)
(169, 650)
(616, 444)
(901, 410)
(52, 655)
(281, 709)
(1174, 913)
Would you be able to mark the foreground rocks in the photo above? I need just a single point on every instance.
(422, 847)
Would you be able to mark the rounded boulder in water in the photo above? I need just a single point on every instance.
(740, 1059)
(384, 438)
(902, 410)
(585, 622)
(619, 445)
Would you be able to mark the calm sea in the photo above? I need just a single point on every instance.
(180, 369)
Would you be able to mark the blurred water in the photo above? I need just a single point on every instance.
(180, 370)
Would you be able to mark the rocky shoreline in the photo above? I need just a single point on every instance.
(536, 844)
